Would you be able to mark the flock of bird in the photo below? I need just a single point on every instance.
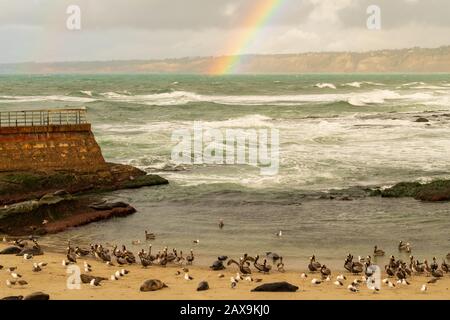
(21, 248)
(398, 272)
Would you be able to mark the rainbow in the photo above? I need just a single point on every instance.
(255, 21)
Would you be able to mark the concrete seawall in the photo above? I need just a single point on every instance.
(50, 147)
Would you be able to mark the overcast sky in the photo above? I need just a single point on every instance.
(35, 30)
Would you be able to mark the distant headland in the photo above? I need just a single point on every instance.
(412, 60)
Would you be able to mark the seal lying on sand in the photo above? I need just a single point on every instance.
(12, 298)
(33, 296)
(152, 285)
(217, 265)
(276, 287)
(11, 250)
(37, 296)
(202, 286)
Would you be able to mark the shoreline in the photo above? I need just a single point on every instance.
(53, 278)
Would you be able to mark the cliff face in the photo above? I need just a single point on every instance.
(405, 60)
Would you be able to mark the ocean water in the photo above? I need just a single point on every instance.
(336, 132)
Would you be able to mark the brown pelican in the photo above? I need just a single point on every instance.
(243, 268)
(149, 236)
(389, 271)
(314, 266)
(261, 267)
(406, 247)
(378, 252)
(325, 271)
(81, 252)
(221, 224)
(144, 259)
(71, 256)
(434, 265)
(190, 257)
(121, 261)
(437, 273)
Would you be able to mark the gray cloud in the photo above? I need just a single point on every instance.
(35, 30)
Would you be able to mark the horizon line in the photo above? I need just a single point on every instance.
(221, 56)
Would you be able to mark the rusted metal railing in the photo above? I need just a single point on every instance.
(31, 118)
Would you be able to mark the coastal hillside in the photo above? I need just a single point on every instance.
(401, 61)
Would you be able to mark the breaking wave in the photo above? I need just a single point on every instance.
(177, 98)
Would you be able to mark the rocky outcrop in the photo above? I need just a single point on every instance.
(54, 213)
(438, 190)
(22, 186)
(51, 202)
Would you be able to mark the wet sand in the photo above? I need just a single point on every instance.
(53, 280)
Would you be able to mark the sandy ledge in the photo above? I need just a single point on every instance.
(53, 278)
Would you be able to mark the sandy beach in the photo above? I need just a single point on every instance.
(53, 278)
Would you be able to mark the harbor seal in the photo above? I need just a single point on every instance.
(217, 265)
(276, 287)
(152, 285)
(203, 286)
(11, 250)
(37, 296)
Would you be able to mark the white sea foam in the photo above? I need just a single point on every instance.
(176, 98)
(88, 93)
(183, 97)
(21, 99)
(357, 84)
(413, 84)
(354, 84)
(325, 85)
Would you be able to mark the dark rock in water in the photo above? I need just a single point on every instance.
(217, 265)
(402, 189)
(37, 296)
(86, 278)
(11, 250)
(422, 120)
(12, 298)
(203, 286)
(108, 205)
(152, 285)
(145, 181)
(276, 287)
(438, 190)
